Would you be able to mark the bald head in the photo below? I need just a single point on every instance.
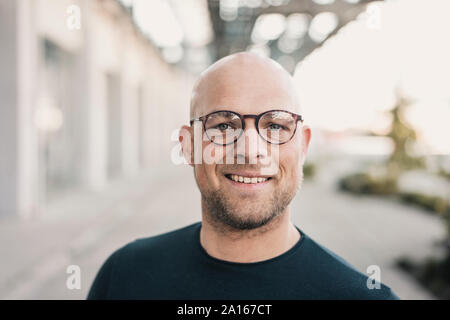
(244, 81)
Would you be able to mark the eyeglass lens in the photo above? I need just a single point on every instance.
(225, 127)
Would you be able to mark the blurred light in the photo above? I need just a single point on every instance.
(173, 54)
(297, 25)
(268, 27)
(277, 3)
(156, 18)
(322, 25)
(252, 3)
(198, 58)
(366, 145)
(48, 118)
(195, 20)
(264, 4)
(382, 123)
(431, 126)
(372, 16)
(228, 9)
(346, 82)
(323, 2)
(352, 1)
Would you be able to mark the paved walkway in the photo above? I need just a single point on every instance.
(84, 229)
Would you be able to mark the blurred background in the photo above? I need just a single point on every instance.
(92, 93)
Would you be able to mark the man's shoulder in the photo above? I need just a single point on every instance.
(338, 275)
(144, 258)
(168, 241)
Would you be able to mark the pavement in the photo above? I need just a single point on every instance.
(84, 228)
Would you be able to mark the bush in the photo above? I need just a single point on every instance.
(309, 170)
(363, 183)
(431, 203)
(433, 274)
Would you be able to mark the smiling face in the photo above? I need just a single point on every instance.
(252, 182)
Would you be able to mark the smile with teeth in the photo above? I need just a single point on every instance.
(248, 180)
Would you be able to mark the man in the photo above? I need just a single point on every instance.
(247, 145)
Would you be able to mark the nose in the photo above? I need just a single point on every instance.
(251, 147)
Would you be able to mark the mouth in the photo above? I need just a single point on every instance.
(247, 180)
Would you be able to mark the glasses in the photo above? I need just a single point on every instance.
(226, 127)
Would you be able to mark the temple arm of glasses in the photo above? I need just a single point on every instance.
(196, 119)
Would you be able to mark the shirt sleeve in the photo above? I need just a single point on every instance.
(100, 287)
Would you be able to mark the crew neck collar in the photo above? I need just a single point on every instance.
(278, 258)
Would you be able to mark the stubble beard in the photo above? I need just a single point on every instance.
(228, 215)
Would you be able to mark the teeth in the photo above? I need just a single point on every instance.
(237, 178)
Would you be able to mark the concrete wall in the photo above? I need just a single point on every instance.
(125, 126)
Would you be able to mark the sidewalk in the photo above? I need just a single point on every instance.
(84, 229)
(86, 224)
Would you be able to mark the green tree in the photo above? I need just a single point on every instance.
(403, 137)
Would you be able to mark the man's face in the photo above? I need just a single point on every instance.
(274, 171)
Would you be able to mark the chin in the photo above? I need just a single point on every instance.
(247, 220)
(248, 224)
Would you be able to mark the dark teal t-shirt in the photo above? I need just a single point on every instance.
(174, 265)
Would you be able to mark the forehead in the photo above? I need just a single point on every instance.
(251, 92)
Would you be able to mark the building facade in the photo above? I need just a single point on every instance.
(85, 98)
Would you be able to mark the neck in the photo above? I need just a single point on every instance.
(246, 246)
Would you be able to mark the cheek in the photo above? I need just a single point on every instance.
(205, 172)
(206, 176)
(289, 162)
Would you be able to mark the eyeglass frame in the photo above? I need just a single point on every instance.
(257, 117)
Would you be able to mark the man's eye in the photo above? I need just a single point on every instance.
(223, 126)
(275, 126)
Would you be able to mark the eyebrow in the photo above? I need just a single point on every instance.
(215, 109)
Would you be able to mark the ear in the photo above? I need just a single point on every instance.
(186, 139)
(306, 138)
